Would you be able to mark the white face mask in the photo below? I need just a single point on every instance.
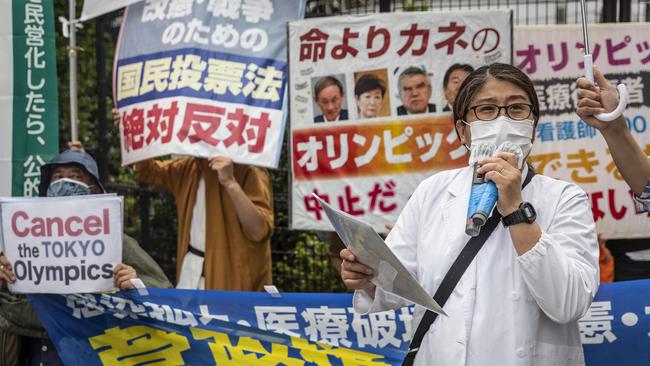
(504, 129)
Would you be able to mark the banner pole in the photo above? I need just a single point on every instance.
(72, 56)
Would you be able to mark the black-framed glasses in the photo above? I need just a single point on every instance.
(516, 111)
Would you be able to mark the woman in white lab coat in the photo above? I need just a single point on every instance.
(519, 301)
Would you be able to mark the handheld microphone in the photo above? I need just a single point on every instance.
(482, 199)
(483, 194)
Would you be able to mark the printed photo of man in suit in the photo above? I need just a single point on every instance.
(329, 96)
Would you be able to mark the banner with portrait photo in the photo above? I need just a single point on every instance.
(204, 78)
(566, 147)
(370, 114)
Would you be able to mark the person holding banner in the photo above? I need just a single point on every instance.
(518, 301)
(631, 161)
(22, 337)
(225, 220)
(631, 255)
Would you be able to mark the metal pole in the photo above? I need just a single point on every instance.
(585, 35)
(72, 56)
(384, 6)
(609, 11)
(102, 122)
(625, 11)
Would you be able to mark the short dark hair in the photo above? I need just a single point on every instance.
(324, 82)
(411, 71)
(367, 83)
(453, 68)
(477, 79)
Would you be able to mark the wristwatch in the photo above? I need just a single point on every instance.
(525, 213)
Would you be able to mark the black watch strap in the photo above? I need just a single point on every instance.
(525, 213)
(516, 217)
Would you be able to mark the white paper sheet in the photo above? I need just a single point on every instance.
(371, 250)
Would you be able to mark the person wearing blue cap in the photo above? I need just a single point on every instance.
(22, 337)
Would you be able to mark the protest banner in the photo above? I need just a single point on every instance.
(187, 327)
(378, 147)
(204, 78)
(62, 244)
(29, 109)
(567, 148)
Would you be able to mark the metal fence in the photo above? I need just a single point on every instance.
(525, 11)
(301, 261)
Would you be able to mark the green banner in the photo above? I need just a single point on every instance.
(35, 100)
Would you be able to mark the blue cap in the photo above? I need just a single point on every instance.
(76, 157)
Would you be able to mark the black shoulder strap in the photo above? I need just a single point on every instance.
(454, 274)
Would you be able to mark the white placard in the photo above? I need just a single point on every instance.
(63, 244)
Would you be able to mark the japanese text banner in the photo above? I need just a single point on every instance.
(183, 327)
(204, 78)
(370, 114)
(29, 107)
(567, 148)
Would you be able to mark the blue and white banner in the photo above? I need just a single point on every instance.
(187, 327)
(204, 78)
(183, 327)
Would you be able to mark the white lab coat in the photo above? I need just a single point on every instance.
(506, 309)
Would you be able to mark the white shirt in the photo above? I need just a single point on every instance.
(506, 309)
(192, 267)
(643, 201)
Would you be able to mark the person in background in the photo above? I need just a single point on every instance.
(22, 337)
(415, 92)
(631, 161)
(225, 220)
(329, 96)
(537, 273)
(632, 256)
(369, 92)
(454, 77)
(605, 261)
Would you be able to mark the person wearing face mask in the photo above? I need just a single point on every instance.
(518, 300)
(22, 338)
